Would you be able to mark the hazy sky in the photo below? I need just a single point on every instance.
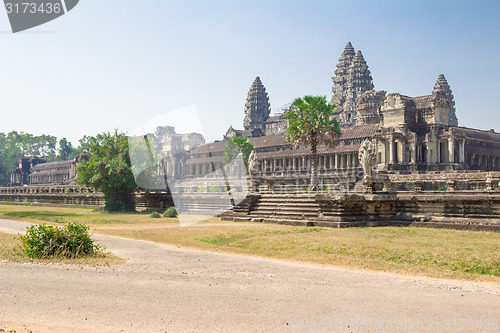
(118, 63)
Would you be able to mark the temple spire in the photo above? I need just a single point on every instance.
(257, 107)
(340, 77)
(443, 86)
(352, 78)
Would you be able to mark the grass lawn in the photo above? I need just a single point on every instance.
(464, 255)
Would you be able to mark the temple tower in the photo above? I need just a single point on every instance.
(340, 78)
(443, 86)
(257, 107)
(352, 78)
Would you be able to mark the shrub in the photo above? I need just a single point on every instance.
(201, 190)
(441, 189)
(170, 212)
(214, 189)
(155, 215)
(73, 240)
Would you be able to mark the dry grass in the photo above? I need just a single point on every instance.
(453, 254)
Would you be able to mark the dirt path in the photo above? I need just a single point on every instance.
(168, 289)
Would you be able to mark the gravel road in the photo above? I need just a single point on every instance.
(169, 289)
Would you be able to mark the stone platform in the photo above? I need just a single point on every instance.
(457, 210)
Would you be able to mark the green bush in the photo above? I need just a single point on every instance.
(170, 212)
(201, 190)
(73, 240)
(155, 215)
(441, 189)
(214, 189)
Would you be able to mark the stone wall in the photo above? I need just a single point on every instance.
(466, 210)
(77, 196)
(51, 196)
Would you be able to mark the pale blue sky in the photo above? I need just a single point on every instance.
(118, 63)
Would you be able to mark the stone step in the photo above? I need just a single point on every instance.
(290, 204)
(285, 211)
(287, 217)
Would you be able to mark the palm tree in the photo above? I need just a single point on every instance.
(236, 146)
(311, 123)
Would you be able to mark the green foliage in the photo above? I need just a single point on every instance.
(73, 240)
(311, 123)
(214, 189)
(201, 190)
(155, 215)
(236, 146)
(65, 149)
(441, 189)
(170, 212)
(108, 170)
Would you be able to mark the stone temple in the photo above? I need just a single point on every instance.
(410, 135)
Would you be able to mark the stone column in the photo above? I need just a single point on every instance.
(414, 154)
(462, 151)
(336, 161)
(451, 150)
(402, 158)
(391, 150)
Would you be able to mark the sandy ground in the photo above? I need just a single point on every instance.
(169, 289)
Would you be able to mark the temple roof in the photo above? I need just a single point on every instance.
(353, 132)
(424, 102)
(476, 134)
(359, 132)
(52, 165)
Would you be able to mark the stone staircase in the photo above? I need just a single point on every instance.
(291, 209)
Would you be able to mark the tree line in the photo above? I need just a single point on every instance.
(14, 145)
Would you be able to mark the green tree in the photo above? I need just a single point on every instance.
(65, 149)
(4, 166)
(108, 170)
(238, 145)
(311, 123)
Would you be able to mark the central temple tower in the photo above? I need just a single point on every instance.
(257, 107)
(352, 78)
